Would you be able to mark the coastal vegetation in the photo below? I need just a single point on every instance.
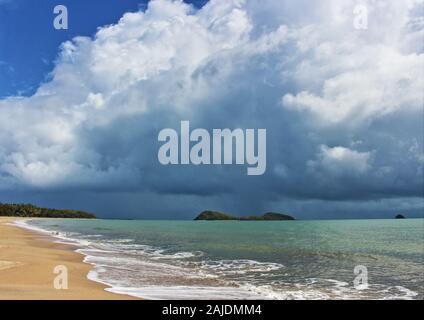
(31, 211)
(269, 216)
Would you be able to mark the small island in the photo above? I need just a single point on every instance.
(31, 211)
(400, 216)
(269, 216)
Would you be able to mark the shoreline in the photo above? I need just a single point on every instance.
(27, 263)
(98, 269)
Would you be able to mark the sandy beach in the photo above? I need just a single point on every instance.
(27, 262)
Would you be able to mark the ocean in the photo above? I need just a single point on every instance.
(249, 259)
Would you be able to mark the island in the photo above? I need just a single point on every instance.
(269, 216)
(31, 211)
(400, 216)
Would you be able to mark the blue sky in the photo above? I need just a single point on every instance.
(80, 110)
(29, 43)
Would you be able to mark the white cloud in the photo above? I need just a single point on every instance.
(95, 123)
(348, 76)
(384, 81)
(340, 161)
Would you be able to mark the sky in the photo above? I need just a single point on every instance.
(81, 109)
(30, 45)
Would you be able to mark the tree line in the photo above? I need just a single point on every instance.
(32, 211)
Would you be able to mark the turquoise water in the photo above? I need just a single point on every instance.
(251, 260)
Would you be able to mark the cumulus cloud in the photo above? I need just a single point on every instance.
(393, 82)
(340, 161)
(302, 71)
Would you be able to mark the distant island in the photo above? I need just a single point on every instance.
(400, 216)
(31, 211)
(269, 216)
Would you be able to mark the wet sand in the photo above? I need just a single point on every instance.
(27, 263)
